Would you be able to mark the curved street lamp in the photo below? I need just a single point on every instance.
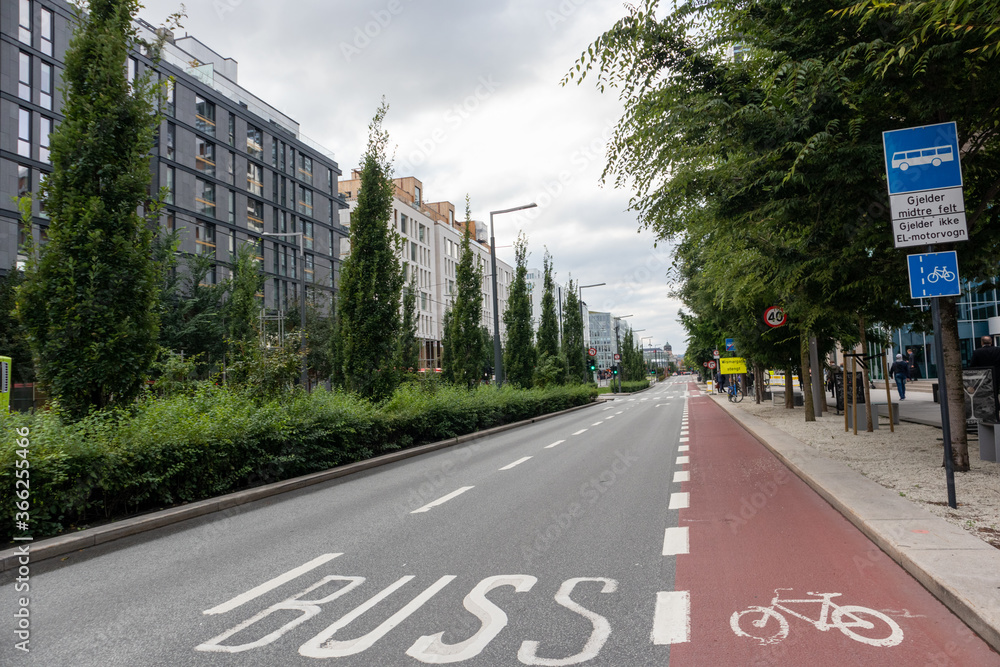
(497, 354)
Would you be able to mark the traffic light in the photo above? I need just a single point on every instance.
(615, 370)
(592, 364)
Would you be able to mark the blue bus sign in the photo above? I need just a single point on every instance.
(730, 345)
(934, 274)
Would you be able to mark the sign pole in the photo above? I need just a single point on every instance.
(888, 394)
(949, 464)
(854, 392)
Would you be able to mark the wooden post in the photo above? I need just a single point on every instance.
(888, 393)
(854, 392)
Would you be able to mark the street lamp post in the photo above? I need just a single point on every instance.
(302, 301)
(497, 354)
(646, 361)
(579, 297)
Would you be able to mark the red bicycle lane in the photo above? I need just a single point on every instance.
(755, 529)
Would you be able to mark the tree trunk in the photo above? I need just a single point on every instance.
(807, 395)
(864, 377)
(789, 389)
(758, 382)
(956, 393)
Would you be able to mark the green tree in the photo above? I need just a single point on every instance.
(243, 305)
(548, 325)
(464, 335)
(89, 299)
(519, 350)
(409, 346)
(371, 280)
(573, 346)
(13, 336)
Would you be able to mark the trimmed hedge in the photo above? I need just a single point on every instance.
(166, 451)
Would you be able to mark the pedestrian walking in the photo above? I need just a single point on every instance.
(914, 369)
(900, 371)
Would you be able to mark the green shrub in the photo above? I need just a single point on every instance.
(213, 440)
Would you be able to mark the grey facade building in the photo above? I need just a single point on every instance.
(234, 166)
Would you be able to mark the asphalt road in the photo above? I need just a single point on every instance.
(541, 545)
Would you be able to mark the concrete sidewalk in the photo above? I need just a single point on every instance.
(959, 569)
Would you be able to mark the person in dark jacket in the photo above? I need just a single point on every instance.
(988, 356)
(914, 369)
(900, 371)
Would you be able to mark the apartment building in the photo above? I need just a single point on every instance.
(234, 166)
(430, 252)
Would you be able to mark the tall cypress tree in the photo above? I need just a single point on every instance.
(89, 300)
(519, 353)
(548, 327)
(572, 348)
(465, 341)
(371, 279)
(408, 355)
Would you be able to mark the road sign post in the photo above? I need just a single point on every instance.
(924, 177)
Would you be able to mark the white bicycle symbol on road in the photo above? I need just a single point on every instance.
(768, 626)
(940, 273)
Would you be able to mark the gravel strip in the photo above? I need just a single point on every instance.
(907, 461)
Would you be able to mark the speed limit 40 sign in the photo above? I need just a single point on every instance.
(775, 317)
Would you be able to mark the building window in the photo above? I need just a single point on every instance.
(330, 233)
(284, 190)
(413, 251)
(42, 209)
(23, 180)
(402, 224)
(305, 168)
(204, 198)
(255, 142)
(421, 229)
(204, 116)
(24, 77)
(274, 153)
(24, 133)
(232, 130)
(44, 134)
(275, 188)
(204, 238)
(291, 161)
(131, 66)
(46, 87)
(255, 216)
(171, 140)
(255, 179)
(416, 195)
(310, 269)
(330, 184)
(281, 157)
(204, 159)
(48, 32)
(231, 167)
(168, 198)
(24, 22)
(232, 207)
(307, 234)
(305, 201)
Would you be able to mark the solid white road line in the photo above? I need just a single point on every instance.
(680, 500)
(672, 619)
(270, 585)
(681, 460)
(675, 541)
(557, 442)
(582, 430)
(515, 463)
(442, 500)
(682, 476)
(684, 448)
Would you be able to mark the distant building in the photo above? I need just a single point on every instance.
(432, 246)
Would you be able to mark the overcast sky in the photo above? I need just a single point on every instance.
(475, 108)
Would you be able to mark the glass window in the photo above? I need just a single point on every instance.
(330, 184)
(330, 233)
(169, 184)
(255, 216)
(45, 85)
(305, 168)
(232, 207)
(44, 133)
(255, 179)
(291, 161)
(24, 77)
(413, 251)
(131, 66)
(421, 234)
(281, 157)
(42, 210)
(23, 180)
(255, 142)
(416, 195)
(275, 188)
(204, 198)
(204, 238)
(402, 224)
(310, 269)
(204, 159)
(232, 130)
(24, 22)
(232, 168)
(305, 201)
(171, 140)
(284, 190)
(284, 261)
(274, 153)
(204, 115)
(307, 234)
(48, 32)
(171, 97)
(24, 133)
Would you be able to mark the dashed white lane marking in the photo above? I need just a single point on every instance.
(684, 448)
(618, 413)
(557, 442)
(683, 439)
(598, 423)
(672, 619)
(516, 463)
(682, 476)
(609, 417)
(681, 460)
(582, 430)
(675, 541)
(440, 501)
(268, 586)
(680, 500)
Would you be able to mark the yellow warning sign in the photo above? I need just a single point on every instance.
(732, 365)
